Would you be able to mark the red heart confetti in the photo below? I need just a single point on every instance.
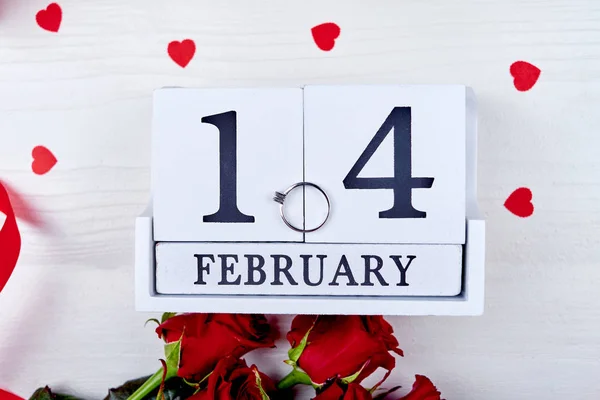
(50, 18)
(325, 34)
(43, 160)
(182, 52)
(10, 243)
(525, 75)
(519, 202)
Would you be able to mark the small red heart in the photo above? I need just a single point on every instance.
(50, 18)
(325, 35)
(519, 202)
(43, 160)
(182, 52)
(525, 75)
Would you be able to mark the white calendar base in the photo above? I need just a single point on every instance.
(469, 301)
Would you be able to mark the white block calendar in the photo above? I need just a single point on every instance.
(321, 199)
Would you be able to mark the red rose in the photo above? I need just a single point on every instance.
(340, 346)
(207, 338)
(352, 391)
(422, 389)
(232, 379)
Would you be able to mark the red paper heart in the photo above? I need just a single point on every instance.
(182, 52)
(50, 18)
(525, 75)
(43, 160)
(10, 239)
(519, 202)
(325, 35)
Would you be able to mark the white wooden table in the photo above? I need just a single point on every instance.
(67, 317)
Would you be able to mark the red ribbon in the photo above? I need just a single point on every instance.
(10, 239)
(6, 395)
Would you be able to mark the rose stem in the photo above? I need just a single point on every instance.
(152, 383)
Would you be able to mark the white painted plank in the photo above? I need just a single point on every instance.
(308, 269)
(86, 94)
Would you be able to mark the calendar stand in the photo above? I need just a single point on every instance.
(470, 300)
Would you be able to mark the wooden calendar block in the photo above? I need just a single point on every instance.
(391, 158)
(218, 156)
(308, 269)
(395, 172)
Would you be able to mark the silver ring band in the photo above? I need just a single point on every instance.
(280, 198)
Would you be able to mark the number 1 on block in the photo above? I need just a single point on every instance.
(228, 209)
(218, 157)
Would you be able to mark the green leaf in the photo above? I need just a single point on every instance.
(296, 377)
(192, 384)
(166, 316)
(153, 320)
(42, 394)
(172, 353)
(205, 378)
(263, 394)
(174, 388)
(295, 353)
(352, 378)
(46, 394)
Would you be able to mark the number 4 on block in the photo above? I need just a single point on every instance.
(392, 159)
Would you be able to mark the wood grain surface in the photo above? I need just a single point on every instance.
(67, 317)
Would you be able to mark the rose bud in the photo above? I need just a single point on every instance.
(337, 391)
(207, 338)
(341, 346)
(423, 389)
(232, 379)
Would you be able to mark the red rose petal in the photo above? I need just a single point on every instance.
(422, 389)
